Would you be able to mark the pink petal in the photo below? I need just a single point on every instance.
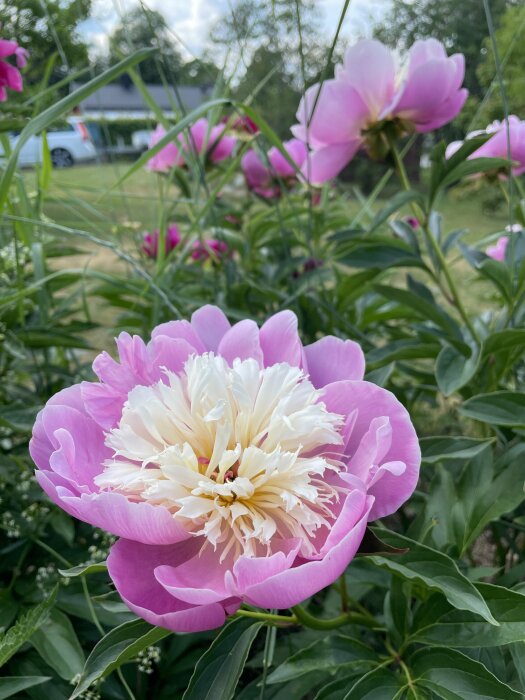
(250, 571)
(199, 581)
(7, 47)
(241, 341)
(339, 115)
(180, 329)
(210, 324)
(280, 340)
(294, 585)
(113, 512)
(147, 598)
(369, 68)
(327, 162)
(372, 402)
(332, 359)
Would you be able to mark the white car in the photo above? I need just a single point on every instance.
(68, 145)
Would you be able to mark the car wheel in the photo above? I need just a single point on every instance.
(61, 158)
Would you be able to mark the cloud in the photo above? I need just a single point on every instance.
(191, 21)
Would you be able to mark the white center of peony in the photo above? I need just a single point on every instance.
(237, 454)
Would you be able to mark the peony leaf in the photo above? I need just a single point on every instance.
(218, 670)
(434, 570)
(330, 655)
(497, 408)
(120, 645)
(12, 685)
(453, 676)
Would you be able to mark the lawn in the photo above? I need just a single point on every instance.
(87, 197)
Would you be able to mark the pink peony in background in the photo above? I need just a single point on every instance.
(10, 75)
(200, 139)
(497, 146)
(150, 244)
(235, 464)
(264, 178)
(497, 251)
(201, 251)
(369, 89)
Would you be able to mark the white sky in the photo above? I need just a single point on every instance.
(191, 19)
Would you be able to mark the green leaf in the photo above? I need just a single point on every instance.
(379, 684)
(434, 570)
(58, 645)
(84, 570)
(11, 685)
(438, 624)
(120, 645)
(454, 369)
(24, 628)
(63, 106)
(330, 655)
(440, 449)
(396, 202)
(218, 670)
(508, 339)
(453, 676)
(382, 254)
(497, 408)
(426, 309)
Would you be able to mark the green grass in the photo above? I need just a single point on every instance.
(83, 197)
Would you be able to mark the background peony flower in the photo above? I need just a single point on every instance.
(9, 75)
(200, 139)
(201, 251)
(264, 179)
(497, 145)
(167, 157)
(235, 464)
(150, 244)
(211, 141)
(368, 90)
(497, 252)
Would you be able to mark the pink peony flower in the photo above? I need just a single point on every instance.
(235, 464)
(242, 124)
(151, 241)
(166, 158)
(497, 145)
(201, 251)
(9, 75)
(263, 179)
(367, 91)
(200, 139)
(497, 252)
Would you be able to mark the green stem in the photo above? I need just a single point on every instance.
(349, 618)
(267, 617)
(431, 241)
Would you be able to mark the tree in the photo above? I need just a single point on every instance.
(278, 99)
(511, 48)
(46, 28)
(460, 24)
(141, 28)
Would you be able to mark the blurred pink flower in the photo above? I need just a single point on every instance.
(236, 464)
(368, 90)
(200, 139)
(201, 251)
(412, 221)
(166, 158)
(242, 124)
(497, 252)
(263, 179)
(497, 145)
(151, 241)
(9, 75)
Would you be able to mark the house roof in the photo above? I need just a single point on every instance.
(126, 97)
